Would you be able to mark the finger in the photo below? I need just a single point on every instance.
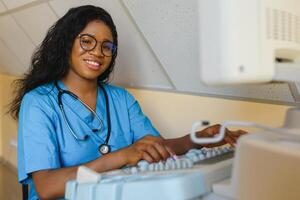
(157, 143)
(237, 134)
(234, 135)
(242, 132)
(210, 131)
(229, 140)
(153, 152)
(147, 157)
(215, 129)
(171, 152)
(162, 150)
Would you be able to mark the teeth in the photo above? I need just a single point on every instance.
(92, 63)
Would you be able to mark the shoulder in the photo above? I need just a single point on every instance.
(119, 94)
(41, 95)
(116, 91)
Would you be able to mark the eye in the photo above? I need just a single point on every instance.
(86, 41)
(107, 46)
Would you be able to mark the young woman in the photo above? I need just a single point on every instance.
(70, 116)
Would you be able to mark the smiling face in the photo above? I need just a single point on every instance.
(89, 65)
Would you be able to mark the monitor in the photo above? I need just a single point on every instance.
(244, 41)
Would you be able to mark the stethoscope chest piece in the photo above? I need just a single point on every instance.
(104, 149)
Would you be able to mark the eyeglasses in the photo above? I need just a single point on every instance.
(89, 43)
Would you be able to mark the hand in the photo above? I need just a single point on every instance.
(229, 138)
(149, 148)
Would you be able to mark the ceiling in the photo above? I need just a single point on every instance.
(155, 50)
(23, 25)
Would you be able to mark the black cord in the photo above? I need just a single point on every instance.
(24, 191)
(107, 115)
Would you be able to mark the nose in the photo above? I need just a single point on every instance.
(97, 50)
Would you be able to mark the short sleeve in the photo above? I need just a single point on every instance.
(37, 141)
(140, 124)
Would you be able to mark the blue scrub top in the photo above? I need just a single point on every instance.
(45, 142)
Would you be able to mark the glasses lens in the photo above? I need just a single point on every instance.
(87, 42)
(108, 48)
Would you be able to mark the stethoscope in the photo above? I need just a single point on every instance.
(103, 148)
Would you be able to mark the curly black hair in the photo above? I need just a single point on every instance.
(50, 61)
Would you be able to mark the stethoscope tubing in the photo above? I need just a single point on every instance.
(59, 99)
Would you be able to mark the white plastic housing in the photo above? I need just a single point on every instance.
(241, 39)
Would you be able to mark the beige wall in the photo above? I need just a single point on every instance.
(1, 112)
(171, 113)
(8, 127)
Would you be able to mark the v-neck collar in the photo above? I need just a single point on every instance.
(78, 108)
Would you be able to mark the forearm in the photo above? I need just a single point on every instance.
(113, 160)
(181, 145)
(50, 184)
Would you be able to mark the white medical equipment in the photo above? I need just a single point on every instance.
(265, 164)
(244, 41)
(251, 42)
(190, 176)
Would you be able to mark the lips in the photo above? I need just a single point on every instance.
(92, 64)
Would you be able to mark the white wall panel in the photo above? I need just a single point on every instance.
(36, 21)
(169, 27)
(16, 40)
(10, 4)
(8, 62)
(2, 7)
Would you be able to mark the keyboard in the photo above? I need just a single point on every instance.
(189, 160)
(190, 176)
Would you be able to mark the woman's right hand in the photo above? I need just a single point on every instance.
(149, 148)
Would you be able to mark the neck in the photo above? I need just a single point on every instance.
(81, 87)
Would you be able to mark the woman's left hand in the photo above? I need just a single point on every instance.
(230, 136)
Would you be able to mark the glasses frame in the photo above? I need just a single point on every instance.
(114, 50)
